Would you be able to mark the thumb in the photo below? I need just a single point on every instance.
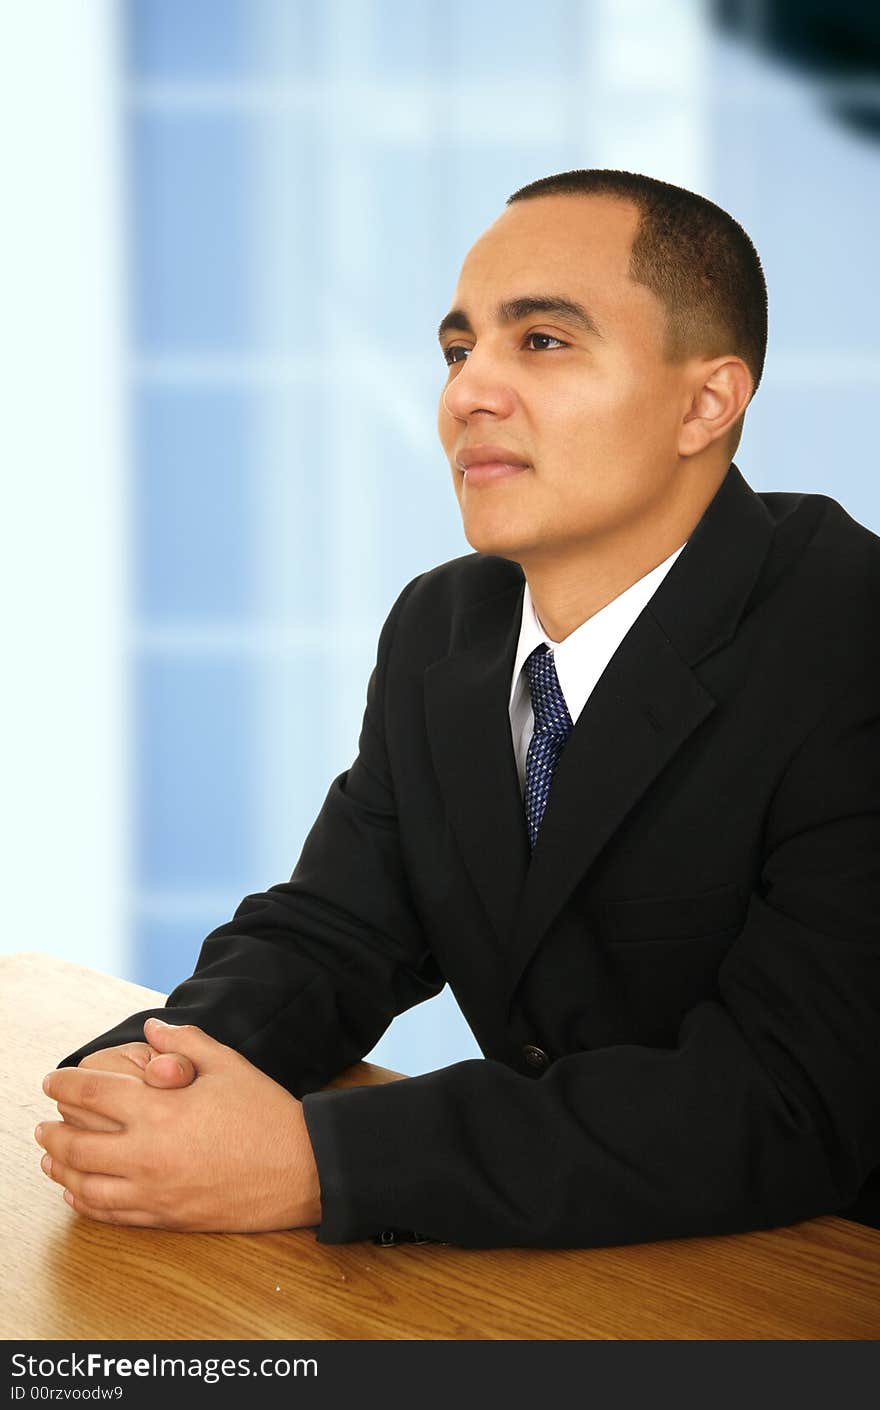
(186, 1042)
(169, 1070)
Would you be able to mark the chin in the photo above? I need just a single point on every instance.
(490, 538)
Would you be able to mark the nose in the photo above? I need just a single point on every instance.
(478, 386)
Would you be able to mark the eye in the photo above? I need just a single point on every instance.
(455, 353)
(543, 339)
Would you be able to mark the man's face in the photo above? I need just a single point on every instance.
(583, 401)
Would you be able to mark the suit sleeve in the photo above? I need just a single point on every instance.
(766, 1111)
(307, 976)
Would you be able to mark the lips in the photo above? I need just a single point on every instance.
(484, 464)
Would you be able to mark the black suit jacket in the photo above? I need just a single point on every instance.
(677, 996)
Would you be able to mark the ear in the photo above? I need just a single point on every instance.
(719, 396)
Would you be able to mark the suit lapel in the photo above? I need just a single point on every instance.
(466, 704)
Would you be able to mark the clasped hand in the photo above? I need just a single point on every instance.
(145, 1144)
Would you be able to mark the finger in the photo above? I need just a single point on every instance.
(93, 1152)
(136, 1218)
(127, 1057)
(169, 1070)
(87, 1120)
(112, 1094)
(98, 1191)
(205, 1053)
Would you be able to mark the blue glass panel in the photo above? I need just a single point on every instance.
(806, 192)
(166, 949)
(813, 439)
(193, 510)
(195, 727)
(192, 198)
(491, 41)
(295, 501)
(290, 38)
(408, 217)
(497, 40)
(429, 1036)
(292, 280)
(193, 39)
(412, 38)
(294, 745)
(818, 254)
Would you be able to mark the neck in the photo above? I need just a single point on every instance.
(571, 584)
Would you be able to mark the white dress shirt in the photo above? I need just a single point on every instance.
(580, 659)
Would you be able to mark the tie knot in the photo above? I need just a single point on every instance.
(548, 702)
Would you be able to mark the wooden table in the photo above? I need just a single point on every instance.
(67, 1278)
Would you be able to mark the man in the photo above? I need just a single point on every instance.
(617, 784)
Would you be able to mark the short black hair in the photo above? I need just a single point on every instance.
(693, 256)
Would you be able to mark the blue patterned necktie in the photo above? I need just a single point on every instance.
(552, 727)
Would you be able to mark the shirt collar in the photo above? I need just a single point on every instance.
(607, 626)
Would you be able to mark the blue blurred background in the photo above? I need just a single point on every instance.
(237, 224)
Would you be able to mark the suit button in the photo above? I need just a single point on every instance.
(536, 1058)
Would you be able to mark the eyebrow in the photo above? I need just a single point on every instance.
(513, 310)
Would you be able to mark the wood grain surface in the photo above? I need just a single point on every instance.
(68, 1278)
